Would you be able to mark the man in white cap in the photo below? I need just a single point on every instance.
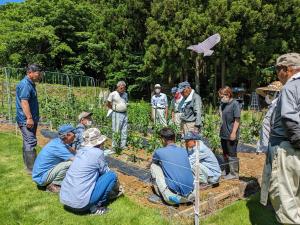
(159, 103)
(53, 161)
(89, 182)
(117, 102)
(85, 121)
(175, 109)
(283, 177)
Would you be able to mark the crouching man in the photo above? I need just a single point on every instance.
(210, 171)
(171, 172)
(54, 160)
(89, 183)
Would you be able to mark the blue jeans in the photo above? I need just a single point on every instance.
(103, 187)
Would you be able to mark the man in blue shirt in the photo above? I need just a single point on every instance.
(89, 182)
(27, 113)
(171, 172)
(85, 121)
(210, 171)
(53, 161)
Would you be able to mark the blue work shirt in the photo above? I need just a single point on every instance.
(206, 158)
(78, 185)
(176, 167)
(159, 101)
(52, 154)
(26, 90)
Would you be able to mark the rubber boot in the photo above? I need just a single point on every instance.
(29, 157)
(234, 167)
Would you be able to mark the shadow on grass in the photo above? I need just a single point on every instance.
(259, 214)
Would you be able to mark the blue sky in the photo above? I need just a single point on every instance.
(2, 2)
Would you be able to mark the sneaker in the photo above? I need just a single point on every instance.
(53, 188)
(230, 177)
(99, 210)
(155, 199)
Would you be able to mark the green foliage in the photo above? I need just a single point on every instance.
(250, 126)
(144, 42)
(136, 143)
(211, 127)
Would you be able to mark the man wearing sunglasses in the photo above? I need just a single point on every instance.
(283, 160)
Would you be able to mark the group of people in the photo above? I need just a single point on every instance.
(74, 163)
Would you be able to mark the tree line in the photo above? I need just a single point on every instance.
(145, 42)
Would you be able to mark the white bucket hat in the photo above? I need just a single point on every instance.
(92, 137)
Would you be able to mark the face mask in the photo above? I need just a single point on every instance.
(225, 99)
(157, 91)
(269, 99)
(89, 123)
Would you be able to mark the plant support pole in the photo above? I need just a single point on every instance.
(197, 199)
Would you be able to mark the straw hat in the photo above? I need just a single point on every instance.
(274, 86)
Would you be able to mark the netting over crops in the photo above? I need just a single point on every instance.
(61, 96)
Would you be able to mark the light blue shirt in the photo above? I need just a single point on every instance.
(207, 158)
(80, 180)
(159, 101)
(52, 154)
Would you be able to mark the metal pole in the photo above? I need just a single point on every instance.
(197, 197)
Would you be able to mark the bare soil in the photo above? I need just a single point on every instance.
(251, 166)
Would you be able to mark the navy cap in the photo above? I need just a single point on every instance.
(183, 85)
(65, 128)
(192, 136)
(174, 90)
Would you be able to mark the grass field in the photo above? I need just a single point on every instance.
(22, 203)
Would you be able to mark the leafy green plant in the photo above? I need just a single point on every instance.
(136, 143)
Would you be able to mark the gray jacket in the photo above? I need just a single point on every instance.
(286, 117)
(192, 111)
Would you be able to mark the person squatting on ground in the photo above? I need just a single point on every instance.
(89, 182)
(270, 93)
(54, 160)
(159, 104)
(171, 172)
(27, 113)
(210, 171)
(175, 106)
(191, 117)
(229, 132)
(281, 177)
(85, 121)
(117, 101)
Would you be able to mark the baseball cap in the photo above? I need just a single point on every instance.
(174, 90)
(65, 128)
(157, 86)
(289, 59)
(84, 115)
(183, 85)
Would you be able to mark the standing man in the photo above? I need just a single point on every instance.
(191, 118)
(117, 102)
(27, 110)
(159, 103)
(175, 109)
(283, 177)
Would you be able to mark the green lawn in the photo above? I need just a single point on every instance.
(22, 203)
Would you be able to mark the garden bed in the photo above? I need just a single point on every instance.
(211, 199)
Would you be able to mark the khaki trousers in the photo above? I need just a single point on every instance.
(284, 189)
